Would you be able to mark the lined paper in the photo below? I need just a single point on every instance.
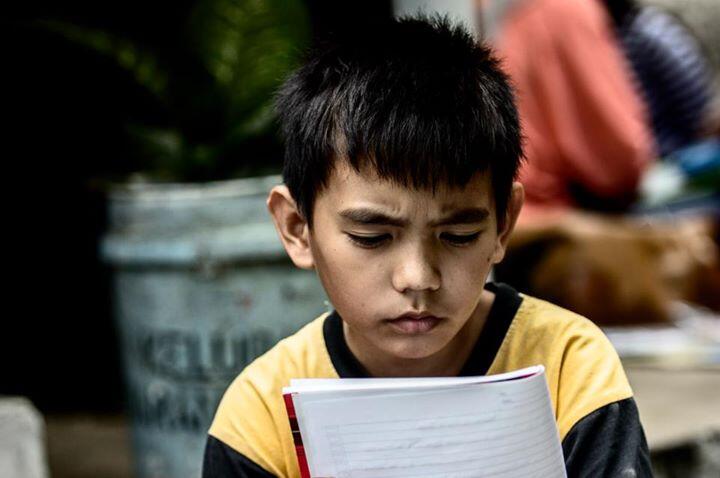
(500, 429)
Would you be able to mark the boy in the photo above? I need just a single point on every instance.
(402, 149)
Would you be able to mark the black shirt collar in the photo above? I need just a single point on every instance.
(507, 302)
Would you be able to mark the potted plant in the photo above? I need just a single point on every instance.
(202, 284)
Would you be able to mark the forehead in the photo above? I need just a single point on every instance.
(346, 187)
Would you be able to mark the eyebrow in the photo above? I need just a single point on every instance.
(471, 215)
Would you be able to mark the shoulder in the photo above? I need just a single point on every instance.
(251, 417)
(299, 355)
(302, 354)
(547, 326)
(556, 31)
(583, 370)
(586, 11)
(558, 12)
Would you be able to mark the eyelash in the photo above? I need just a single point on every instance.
(371, 242)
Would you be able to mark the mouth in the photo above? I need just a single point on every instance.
(414, 323)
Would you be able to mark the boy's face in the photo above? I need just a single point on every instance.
(382, 250)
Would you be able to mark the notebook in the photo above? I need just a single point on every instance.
(451, 427)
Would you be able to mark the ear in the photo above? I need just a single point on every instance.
(512, 212)
(291, 226)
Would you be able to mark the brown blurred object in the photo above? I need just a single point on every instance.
(89, 446)
(616, 271)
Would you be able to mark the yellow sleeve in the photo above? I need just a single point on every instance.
(247, 422)
(251, 418)
(591, 375)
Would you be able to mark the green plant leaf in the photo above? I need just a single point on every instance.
(248, 46)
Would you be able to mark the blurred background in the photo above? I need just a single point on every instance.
(140, 144)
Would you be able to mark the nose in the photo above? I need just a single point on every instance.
(416, 271)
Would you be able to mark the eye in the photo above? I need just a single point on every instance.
(368, 242)
(460, 239)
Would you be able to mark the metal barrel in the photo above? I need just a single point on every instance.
(202, 286)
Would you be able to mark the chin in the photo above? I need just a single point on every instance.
(414, 349)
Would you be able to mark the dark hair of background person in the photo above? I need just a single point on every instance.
(419, 101)
(619, 9)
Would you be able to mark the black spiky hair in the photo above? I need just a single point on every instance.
(416, 99)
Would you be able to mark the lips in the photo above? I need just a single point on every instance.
(414, 323)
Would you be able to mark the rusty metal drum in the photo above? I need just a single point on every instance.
(202, 286)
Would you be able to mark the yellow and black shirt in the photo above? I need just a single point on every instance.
(594, 409)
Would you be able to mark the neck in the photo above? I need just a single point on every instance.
(447, 362)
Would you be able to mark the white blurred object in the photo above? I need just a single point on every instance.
(692, 339)
(662, 182)
(458, 10)
(22, 440)
(699, 321)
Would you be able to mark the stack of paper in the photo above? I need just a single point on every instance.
(499, 426)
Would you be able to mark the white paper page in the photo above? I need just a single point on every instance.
(328, 384)
(504, 429)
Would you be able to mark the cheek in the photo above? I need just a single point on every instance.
(347, 269)
(482, 257)
(348, 278)
(466, 274)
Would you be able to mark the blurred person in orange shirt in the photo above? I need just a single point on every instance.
(588, 138)
(588, 142)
